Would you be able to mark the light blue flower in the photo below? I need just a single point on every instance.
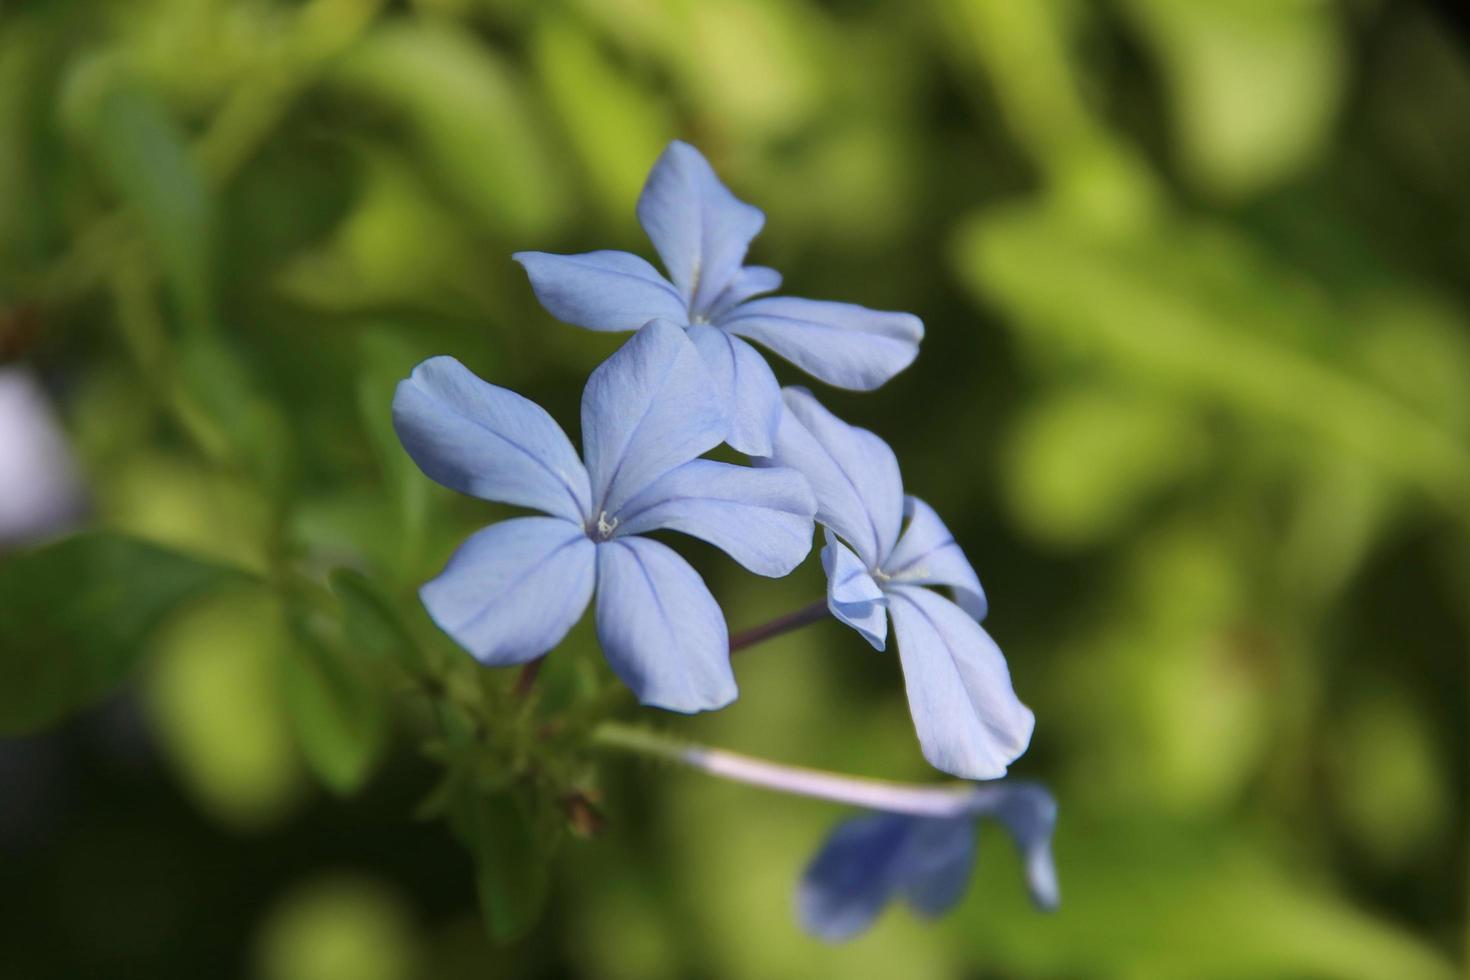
(513, 590)
(701, 232)
(968, 718)
(869, 860)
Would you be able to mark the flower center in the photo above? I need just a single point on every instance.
(605, 527)
(908, 573)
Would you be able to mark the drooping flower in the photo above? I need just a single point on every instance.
(869, 860)
(967, 716)
(702, 231)
(513, 590)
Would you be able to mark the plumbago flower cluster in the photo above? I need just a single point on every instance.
(685, 382)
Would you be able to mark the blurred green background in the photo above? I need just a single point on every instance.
(1195, 398)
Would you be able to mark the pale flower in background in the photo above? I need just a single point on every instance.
(40, 489)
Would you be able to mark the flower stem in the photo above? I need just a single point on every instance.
(944, 800)
(526, 679)
(781, 624)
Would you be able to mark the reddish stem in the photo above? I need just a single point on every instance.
(782, 624)
(526, 679)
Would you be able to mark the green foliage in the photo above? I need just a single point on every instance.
(615, 124)
(1153, 882)
(512, 835)
(1085, 462)
(1385, 770)
(1198, 312)
(338, 928)
(362, 264)
(1192, 397)
(370, 626)
(217, 710)
(1254, 86)
(75, 617)
(467, 114)
(387, 360)
(145, 155)
(225, 411)
(337, 708)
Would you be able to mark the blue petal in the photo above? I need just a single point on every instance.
(853, 473)
(967, 716)
(852, 594)
(936, 864)
(926, 554)
(700, 229)
(747, 388)
(760, 517)
(750, 281)
(845, 345)
(868, 860)
(648, 408)
(1029, 812)
(512, 591)
(488, 442)
(854, 874)
(660, 629)
(602, 290)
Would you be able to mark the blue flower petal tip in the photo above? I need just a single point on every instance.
(885, 554)
(874, 859)
(701, 232)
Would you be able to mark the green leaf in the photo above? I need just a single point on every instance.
(231, 415)
(467, 109)
(74, 616)
(385, 361)
(1085, 462)
(1040, 90)
(397, 245)
(26, 54)
(1195, 310)
(146, 156)
(715, 45)
(1144, 897)
(1387, 775)
(217, 711)
(339, 927)
(1254, 87)
(337, 708)
(615, 125)
(513, 837)
(370, 626)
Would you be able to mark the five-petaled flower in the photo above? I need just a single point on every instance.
(702, 232)
(869, 860)
(513, 590)
(967, 716)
